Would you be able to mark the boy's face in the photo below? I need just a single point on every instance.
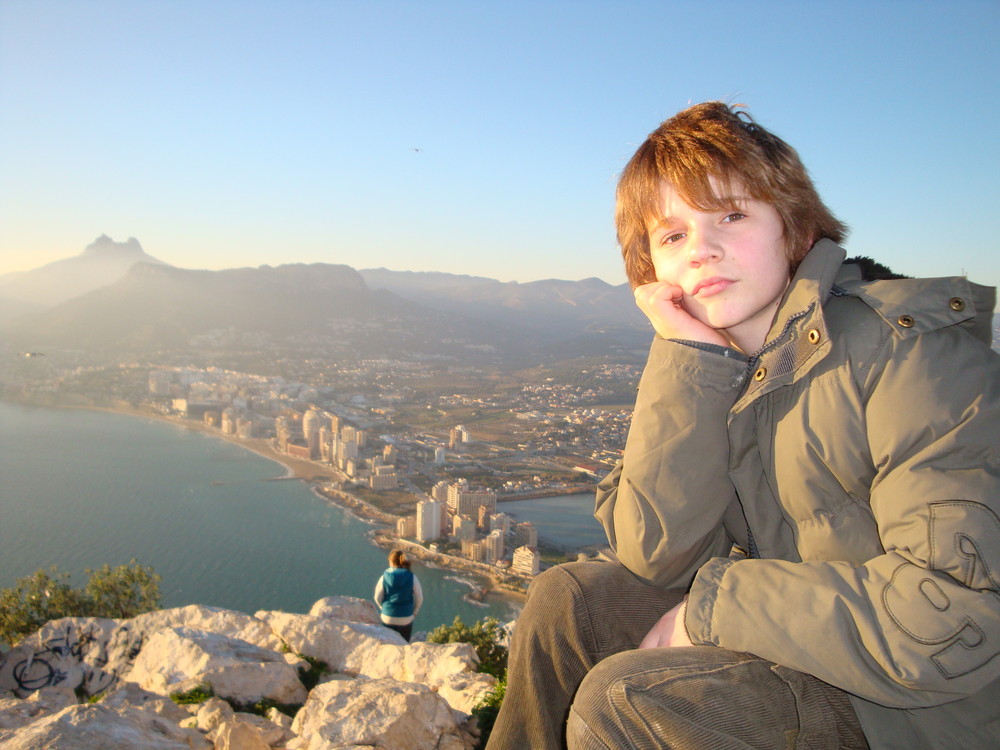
(730, 265)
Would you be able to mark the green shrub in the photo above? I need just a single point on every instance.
(198, 694)
(310, 677)
(264, 705)
(485, 636)
(121, 592)
(486, 710)
(34, 601)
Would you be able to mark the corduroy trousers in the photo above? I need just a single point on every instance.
(576, 679)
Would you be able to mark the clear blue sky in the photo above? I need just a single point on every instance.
(225, 134)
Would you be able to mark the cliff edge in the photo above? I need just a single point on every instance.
(237, 681)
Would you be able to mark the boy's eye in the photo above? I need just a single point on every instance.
(734, 216)
(669, 239)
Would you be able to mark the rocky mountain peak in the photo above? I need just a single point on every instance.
(104, 245)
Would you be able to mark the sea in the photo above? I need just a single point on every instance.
(221, 525)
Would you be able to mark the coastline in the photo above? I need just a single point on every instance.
(315, 475)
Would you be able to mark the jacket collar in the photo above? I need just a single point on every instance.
(812, 282)
(798, 338)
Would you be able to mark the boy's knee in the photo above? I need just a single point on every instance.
(697, 697)
(550, 596)
(596, 713)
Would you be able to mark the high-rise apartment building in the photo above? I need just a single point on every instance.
(525, 534)
(310, 431)
(494, 544)
(406, 527)
(464, 528)
(383, 478)
(462, 499)
(458, 436)
(500, 521)
(429, 514)
(526, 561)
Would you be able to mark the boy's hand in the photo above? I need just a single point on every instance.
(661, 303)
(669, 630)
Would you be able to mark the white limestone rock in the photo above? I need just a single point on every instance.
(97, 727)
(381, 713)
(296, 662)
(273, 734)
(210, 619)
(466, 690)
(70, 652)
(375, 651)
(130, 695)
(445, 667)
(17, 712)
(348, 608)
(212, 713)
(177, 659)
(341, 644)
(93, 654)
(432, 663)
(239, 735)
(276, 717)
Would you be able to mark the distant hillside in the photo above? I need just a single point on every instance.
(115, 299)
(102, 262)
(549, 306)
(306, 311)
(162, 307)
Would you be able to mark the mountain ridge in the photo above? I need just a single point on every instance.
(102, 262)
(327, 308)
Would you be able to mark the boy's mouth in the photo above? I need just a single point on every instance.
(711, 286)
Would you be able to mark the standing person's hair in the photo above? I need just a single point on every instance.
(398, 560)
(717, 143)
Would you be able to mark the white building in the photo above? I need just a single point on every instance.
(499, 521)
(384, 478)
(428, 520)
(525, 534)
(526, 561)
(310, 431)
(494, 546)
(406, 527)
(462, 499)
(464, 528)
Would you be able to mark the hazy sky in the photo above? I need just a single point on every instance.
(480, 138)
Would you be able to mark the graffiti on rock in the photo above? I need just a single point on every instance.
(77, 658)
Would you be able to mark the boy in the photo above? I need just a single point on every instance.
(807, 514)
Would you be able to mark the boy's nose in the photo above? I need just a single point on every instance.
(703, 249)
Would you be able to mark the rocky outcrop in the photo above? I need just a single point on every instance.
(87, 683)
(379, 713)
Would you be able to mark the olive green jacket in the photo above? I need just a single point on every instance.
(857, 459)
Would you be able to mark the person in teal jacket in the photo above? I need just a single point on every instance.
(399, 595)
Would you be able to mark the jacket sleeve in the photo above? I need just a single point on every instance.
(664, 520)
(379, 591)
(920, 624)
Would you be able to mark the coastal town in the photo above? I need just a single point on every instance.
(385, 443)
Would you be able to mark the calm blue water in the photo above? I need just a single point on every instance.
(79, 489)
(567, 520)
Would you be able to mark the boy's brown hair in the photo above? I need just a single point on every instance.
(714, 141)
(397, 559)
